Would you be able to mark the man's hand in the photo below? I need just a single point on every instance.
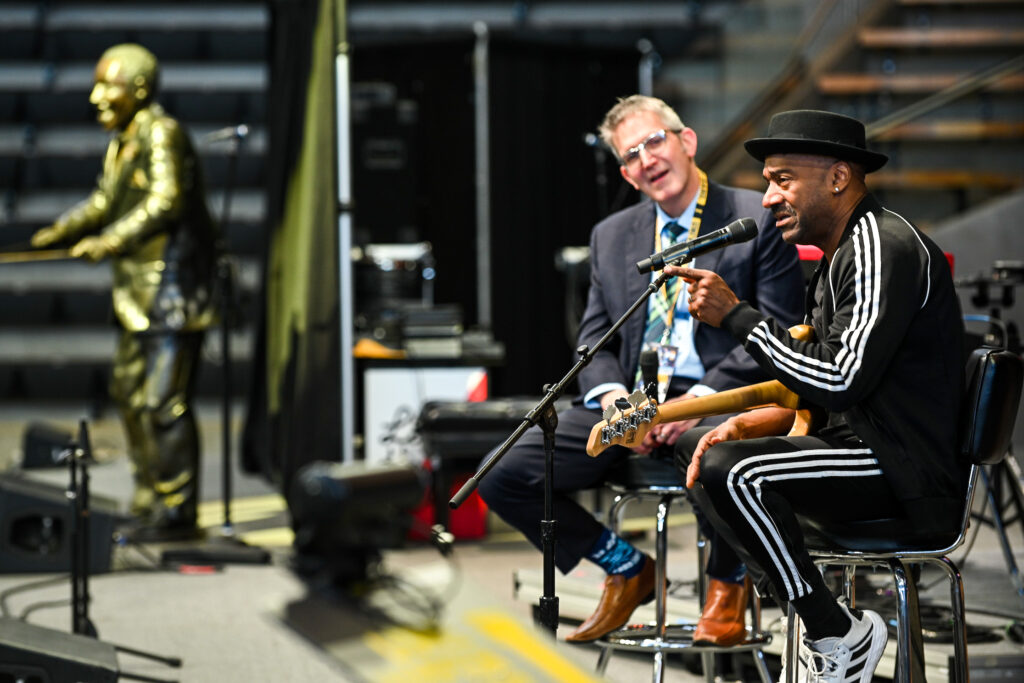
(610, 397)
(92, 249)
(727, 431)
(710, 297)
(667, 433)
(44, 237)
(767, 421)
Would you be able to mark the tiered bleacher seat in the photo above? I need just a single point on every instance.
(56, 336)
(962, 142)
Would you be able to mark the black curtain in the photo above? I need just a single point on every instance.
(544, 98)
(293, 414)
(545, 195)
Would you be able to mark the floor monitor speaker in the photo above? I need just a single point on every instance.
(36, 526)
(40, 655)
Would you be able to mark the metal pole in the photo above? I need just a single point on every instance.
(483, 175)
(345, 313)
(645, 70)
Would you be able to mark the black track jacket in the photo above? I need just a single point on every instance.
(888, 356)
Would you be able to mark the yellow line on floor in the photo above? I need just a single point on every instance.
(211, 512)
(278, 537)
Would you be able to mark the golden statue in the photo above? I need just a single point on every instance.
(148, 215)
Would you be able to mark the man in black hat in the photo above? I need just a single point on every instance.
(886, 366)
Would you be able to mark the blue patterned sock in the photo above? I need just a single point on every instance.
(616, 556)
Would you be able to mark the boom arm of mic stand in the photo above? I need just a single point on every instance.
(552, 395)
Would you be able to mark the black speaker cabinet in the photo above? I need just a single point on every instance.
(40, 655)
(36, 527)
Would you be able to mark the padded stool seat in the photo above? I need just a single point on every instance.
(640, 476)
(643, 472)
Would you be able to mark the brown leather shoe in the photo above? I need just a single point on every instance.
(620, 597)
(722, 621)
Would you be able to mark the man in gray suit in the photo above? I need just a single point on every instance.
(656, 152)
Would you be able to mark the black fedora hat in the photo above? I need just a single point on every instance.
(805, 131)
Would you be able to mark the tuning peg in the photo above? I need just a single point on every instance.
(622, 403)
(609, 413)
(636, 398)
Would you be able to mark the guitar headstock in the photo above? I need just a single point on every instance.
(625, 424)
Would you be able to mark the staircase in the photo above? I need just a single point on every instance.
(940, 84)
(56, 332)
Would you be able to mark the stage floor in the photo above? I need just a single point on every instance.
(262, 623)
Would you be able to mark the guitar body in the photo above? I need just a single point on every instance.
(629, 427)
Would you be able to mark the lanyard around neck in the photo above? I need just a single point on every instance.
(691, 234)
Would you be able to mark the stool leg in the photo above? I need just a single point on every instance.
(659, 667)
(702, 561)
(660, 582)
(707, 661)
(909, 642)
(792, 651)
(602, 660)
(615, 510)
(661, 564)
(754, 605)
(762, 666)
(850, 584)
(956, 599)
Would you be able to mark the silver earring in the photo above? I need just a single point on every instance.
(837, 189)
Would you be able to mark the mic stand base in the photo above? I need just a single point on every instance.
(218, 550)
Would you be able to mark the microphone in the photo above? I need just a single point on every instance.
(740, 230)
(649, 373)
(231, 132)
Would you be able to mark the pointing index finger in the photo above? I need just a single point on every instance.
(688, 274)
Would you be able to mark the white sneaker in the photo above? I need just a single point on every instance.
(850, 659)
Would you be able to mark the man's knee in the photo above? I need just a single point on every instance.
(716, 469)
(496, 487)
(686, 444)
(488, 490)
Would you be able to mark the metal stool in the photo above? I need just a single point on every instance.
(642, 476)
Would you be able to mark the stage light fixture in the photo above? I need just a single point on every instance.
(344, 514)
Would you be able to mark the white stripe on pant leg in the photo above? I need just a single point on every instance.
(757, 516)
(745, 490)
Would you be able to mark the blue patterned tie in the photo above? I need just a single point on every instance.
(662, 300)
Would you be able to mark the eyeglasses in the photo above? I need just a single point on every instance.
(651, 145)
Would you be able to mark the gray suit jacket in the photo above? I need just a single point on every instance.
(765, 272)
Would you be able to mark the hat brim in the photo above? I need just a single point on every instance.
(759, 148)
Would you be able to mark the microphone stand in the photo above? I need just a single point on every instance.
(227, 548)
(545, 415)
(79, 456)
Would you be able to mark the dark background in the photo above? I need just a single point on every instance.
(417, 181)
